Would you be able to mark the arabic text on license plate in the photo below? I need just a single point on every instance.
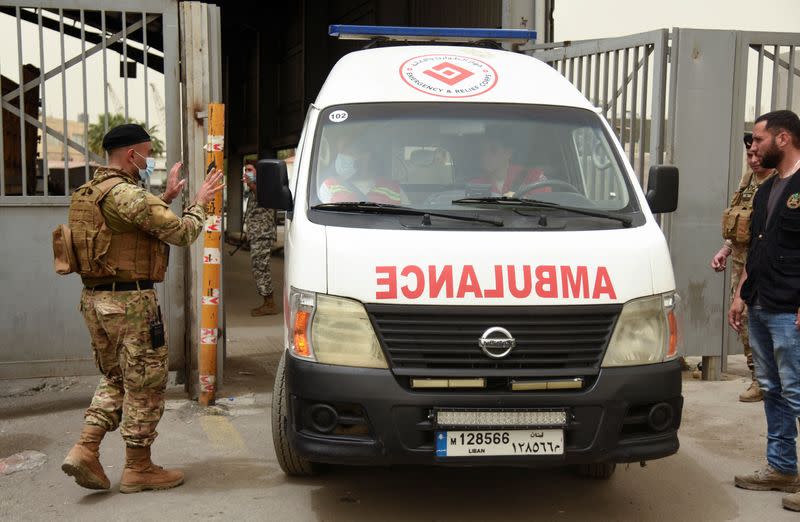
(490, 443)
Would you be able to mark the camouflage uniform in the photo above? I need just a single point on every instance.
(262, 233)
(738, 261)
(131, 393)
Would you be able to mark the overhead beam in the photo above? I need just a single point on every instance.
(153, 60)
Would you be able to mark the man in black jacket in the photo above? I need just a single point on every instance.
(770, 286)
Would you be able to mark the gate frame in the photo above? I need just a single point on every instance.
(172, 290)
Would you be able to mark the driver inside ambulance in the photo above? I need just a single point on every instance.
(352, 177)
(500, 175)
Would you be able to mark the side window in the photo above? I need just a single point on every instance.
(597, 164)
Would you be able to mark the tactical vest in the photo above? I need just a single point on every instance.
(106, 255)
(737, 217)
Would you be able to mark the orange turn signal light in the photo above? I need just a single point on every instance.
(301, 345)
(672, 349)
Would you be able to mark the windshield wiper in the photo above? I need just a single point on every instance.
(385, 208)
(535, 203)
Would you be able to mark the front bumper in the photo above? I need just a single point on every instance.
(381, 422)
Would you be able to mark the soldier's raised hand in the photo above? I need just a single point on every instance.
(175, 183)
(212, 184)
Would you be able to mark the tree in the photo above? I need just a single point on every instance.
(98, 130)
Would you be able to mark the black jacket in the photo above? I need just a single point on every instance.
(773, 262)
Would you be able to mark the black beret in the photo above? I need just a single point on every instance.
(125, 135)
(748, 139)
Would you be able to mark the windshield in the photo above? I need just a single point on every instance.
(428, 156)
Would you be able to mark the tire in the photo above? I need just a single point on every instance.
(290, 462)
(597, 470)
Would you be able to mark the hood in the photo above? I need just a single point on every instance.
(515, 268)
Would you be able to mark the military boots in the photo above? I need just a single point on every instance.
(83, 460)
(268, 308)
(140, 474)
(752, 394)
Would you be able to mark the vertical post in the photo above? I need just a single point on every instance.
(634, 93)
(759, 78)
(174, 287)
(105, 74)
(125, 60)
(614, 96)
(85, 102)
(23, 154)
(623, 118)
(604, 101)
(776, 57)
(196, 97)
(597, 58)
(643, 112)
(146, 51)
(212, 254)
(706, 101)
(45, 167)
(657, 114)
(2, 152)
(64, 103)
(790, 78)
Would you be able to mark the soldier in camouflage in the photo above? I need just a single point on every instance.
(736, 232)
(262, 234)
(120, 234)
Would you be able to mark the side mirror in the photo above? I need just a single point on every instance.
(662, 189)
(272, 185)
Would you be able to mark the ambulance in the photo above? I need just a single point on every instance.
(473, 274)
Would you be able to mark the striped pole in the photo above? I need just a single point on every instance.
(212, 257)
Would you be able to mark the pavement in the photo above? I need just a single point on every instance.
(232, 474)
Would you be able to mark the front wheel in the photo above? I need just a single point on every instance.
(597, 470)
(290, 462)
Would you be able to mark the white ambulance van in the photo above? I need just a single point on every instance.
(473, 275)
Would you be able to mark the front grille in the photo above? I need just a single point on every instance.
(443, 340)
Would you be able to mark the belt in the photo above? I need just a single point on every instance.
(123, 286)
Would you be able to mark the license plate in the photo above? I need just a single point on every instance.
(493, 443)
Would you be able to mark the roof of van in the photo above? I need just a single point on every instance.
(446, 73)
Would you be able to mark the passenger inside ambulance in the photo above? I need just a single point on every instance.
(352, 176)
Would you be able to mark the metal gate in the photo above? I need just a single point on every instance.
(685, 97)
(626, 79)
(69, 72)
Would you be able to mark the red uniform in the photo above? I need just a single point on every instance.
(516, 178)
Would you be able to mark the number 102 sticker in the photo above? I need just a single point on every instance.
(338, 116)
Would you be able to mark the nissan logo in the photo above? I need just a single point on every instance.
(496, 342)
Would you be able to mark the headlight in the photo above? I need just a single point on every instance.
(646, 332)
(332, 330)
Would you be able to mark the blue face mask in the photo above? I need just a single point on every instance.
(345, 165)
(147, 171)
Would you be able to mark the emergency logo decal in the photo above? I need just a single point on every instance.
(448, 75)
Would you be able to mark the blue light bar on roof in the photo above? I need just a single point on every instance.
(429, 34)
